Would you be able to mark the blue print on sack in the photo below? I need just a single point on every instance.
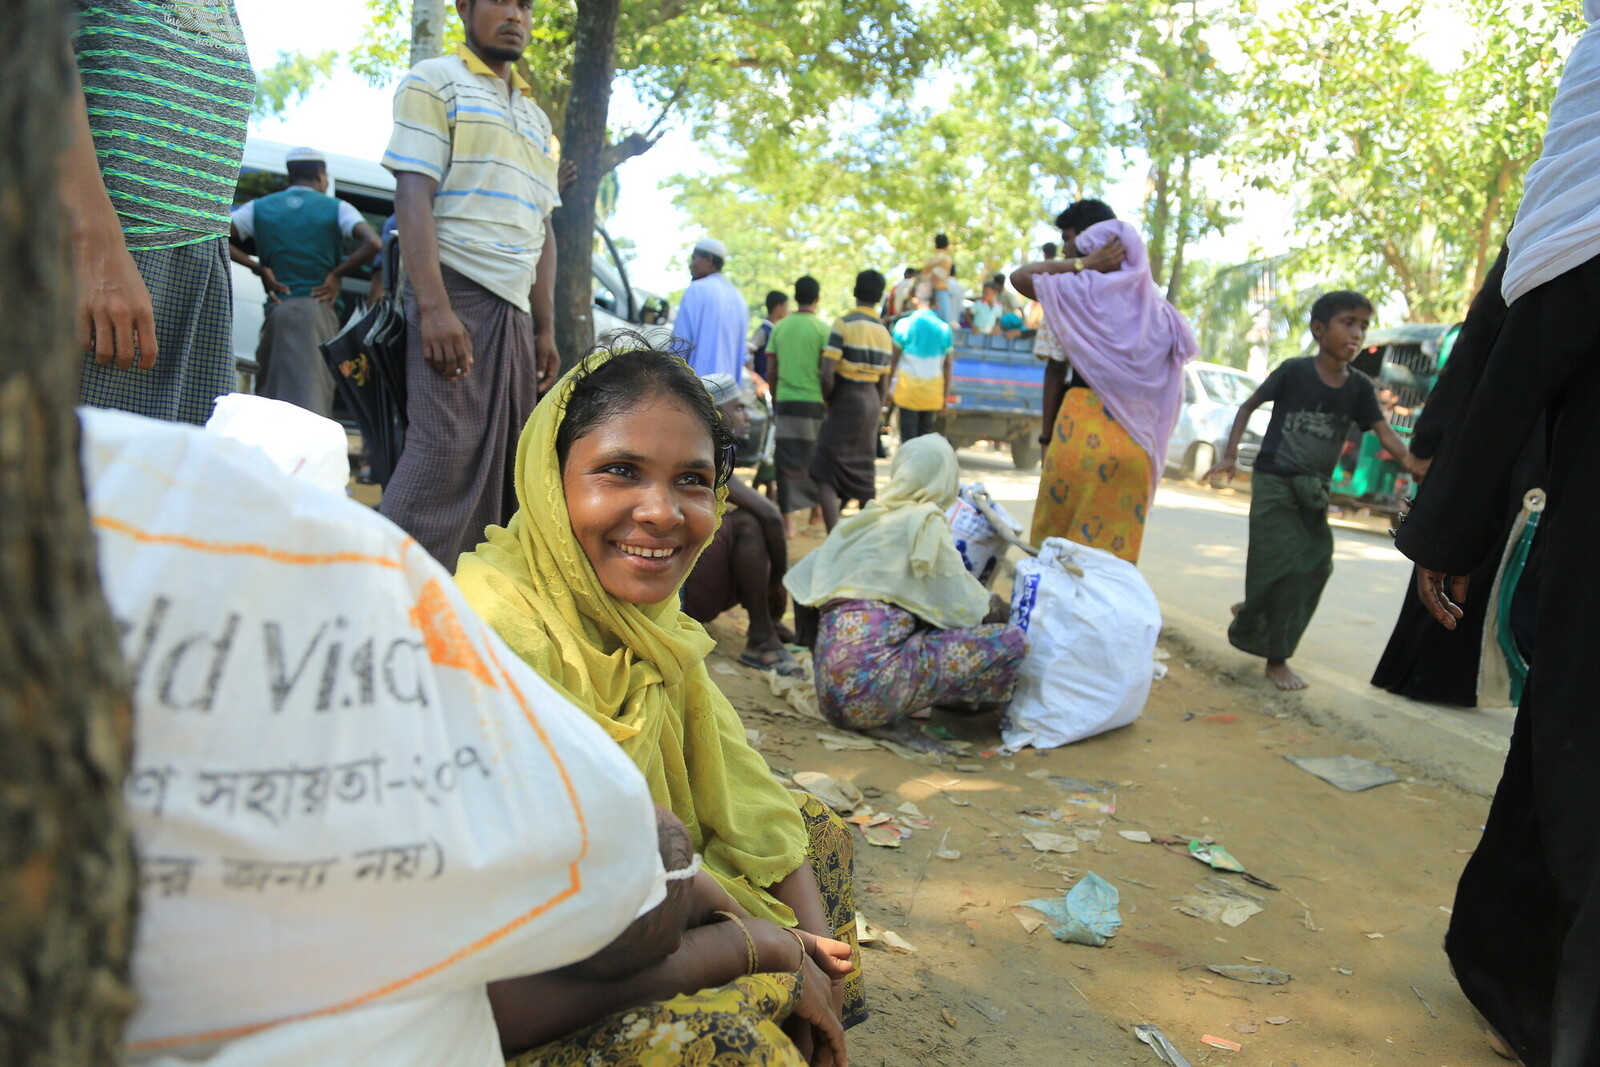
(1022, 600)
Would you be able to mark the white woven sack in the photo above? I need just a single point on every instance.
(1092, 623)
(353, 804)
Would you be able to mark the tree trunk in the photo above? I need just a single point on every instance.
(67, 885)
(1180, 238)
(427, 30)
(583, 140)
(1160, 217)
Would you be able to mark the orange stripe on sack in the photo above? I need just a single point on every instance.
(383, 991)
(277, 555)
(574, 887)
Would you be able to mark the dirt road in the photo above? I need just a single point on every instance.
(1364, 883)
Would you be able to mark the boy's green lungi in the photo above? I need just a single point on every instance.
(1289, 562)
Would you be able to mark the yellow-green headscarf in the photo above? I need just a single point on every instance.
(899, 549)
(639, 670)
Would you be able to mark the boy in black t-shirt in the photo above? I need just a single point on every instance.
(1315, 400)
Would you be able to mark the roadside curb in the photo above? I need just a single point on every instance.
(1464, 747)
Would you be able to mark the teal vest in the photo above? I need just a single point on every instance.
(297, 235)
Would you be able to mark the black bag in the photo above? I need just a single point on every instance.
(367, 358)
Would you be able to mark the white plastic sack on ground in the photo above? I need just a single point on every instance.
(979, 543)
(1090, 643)
(299, 442)
(353, 805)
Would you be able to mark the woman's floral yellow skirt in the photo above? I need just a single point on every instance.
(1094, 487)
(736, 1025)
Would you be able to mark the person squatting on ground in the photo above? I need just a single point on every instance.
(1315, 400)
(299, 233)
(904, 625)
(745, 562)
(475, 183)
(620, 483)
(922, 366)
(855, 382)
(1535, 978)
(712, 316)
(1113, 382)
(795, 359)
(149, 215)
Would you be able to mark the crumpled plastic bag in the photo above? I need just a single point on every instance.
(1087, 915)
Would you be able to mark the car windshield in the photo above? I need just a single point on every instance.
(1230, 389)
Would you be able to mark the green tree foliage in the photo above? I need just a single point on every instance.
(287, 81)
(1039, 102)
(1405, 174)
(735, 67)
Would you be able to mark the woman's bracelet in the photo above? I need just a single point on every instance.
(752, 957)
(800, 964)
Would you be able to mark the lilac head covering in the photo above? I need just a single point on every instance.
(1126, 340)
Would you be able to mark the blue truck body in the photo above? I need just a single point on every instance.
(997, 394)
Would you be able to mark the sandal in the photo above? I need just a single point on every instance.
(773, 659)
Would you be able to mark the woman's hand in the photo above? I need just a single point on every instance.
(999, 610)
(1107, 258)
(815, 1026)
(1446, 608)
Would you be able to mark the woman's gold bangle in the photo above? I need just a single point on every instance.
(752, 957)
(800, 965)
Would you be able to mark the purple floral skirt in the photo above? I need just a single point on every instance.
(876, 663)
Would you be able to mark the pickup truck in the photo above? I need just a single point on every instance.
(997, 394)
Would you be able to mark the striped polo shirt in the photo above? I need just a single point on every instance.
(494, 157)
(862, 345)
(169, 86)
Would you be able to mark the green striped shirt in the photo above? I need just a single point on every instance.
(169, 88)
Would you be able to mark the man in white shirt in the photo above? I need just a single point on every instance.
(712, 316)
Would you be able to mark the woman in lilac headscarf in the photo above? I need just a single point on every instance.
(1112, 385)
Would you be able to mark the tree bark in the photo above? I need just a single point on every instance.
(1180, 241)
(583, 140)
(427, 29)
(1160, 216)
(67, 885)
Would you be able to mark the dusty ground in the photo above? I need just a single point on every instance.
(1365, 881)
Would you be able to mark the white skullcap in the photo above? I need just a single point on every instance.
(711, 247)
(722, 387)
(304, 155)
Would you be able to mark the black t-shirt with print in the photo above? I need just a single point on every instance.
(1311, 419)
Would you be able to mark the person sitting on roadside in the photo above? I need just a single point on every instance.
(620, 484)
(903, 625)
(745, 562)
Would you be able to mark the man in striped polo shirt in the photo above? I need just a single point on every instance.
(854, 377)
(475, 182)
(155, 134)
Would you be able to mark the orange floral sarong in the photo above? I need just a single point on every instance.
(1094, 487)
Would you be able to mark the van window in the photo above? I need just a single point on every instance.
(1229, 389)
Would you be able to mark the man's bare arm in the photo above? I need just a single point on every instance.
(115, 316)
(446, 345)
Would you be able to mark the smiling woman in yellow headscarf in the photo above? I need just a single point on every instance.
(619, 478)
(904, 626)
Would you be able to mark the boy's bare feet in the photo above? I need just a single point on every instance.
(1283, 676)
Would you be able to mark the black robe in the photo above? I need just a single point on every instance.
(1423, 660)
(1525, 933)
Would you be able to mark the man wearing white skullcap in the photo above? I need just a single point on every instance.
(299, 233)
(713, 316)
